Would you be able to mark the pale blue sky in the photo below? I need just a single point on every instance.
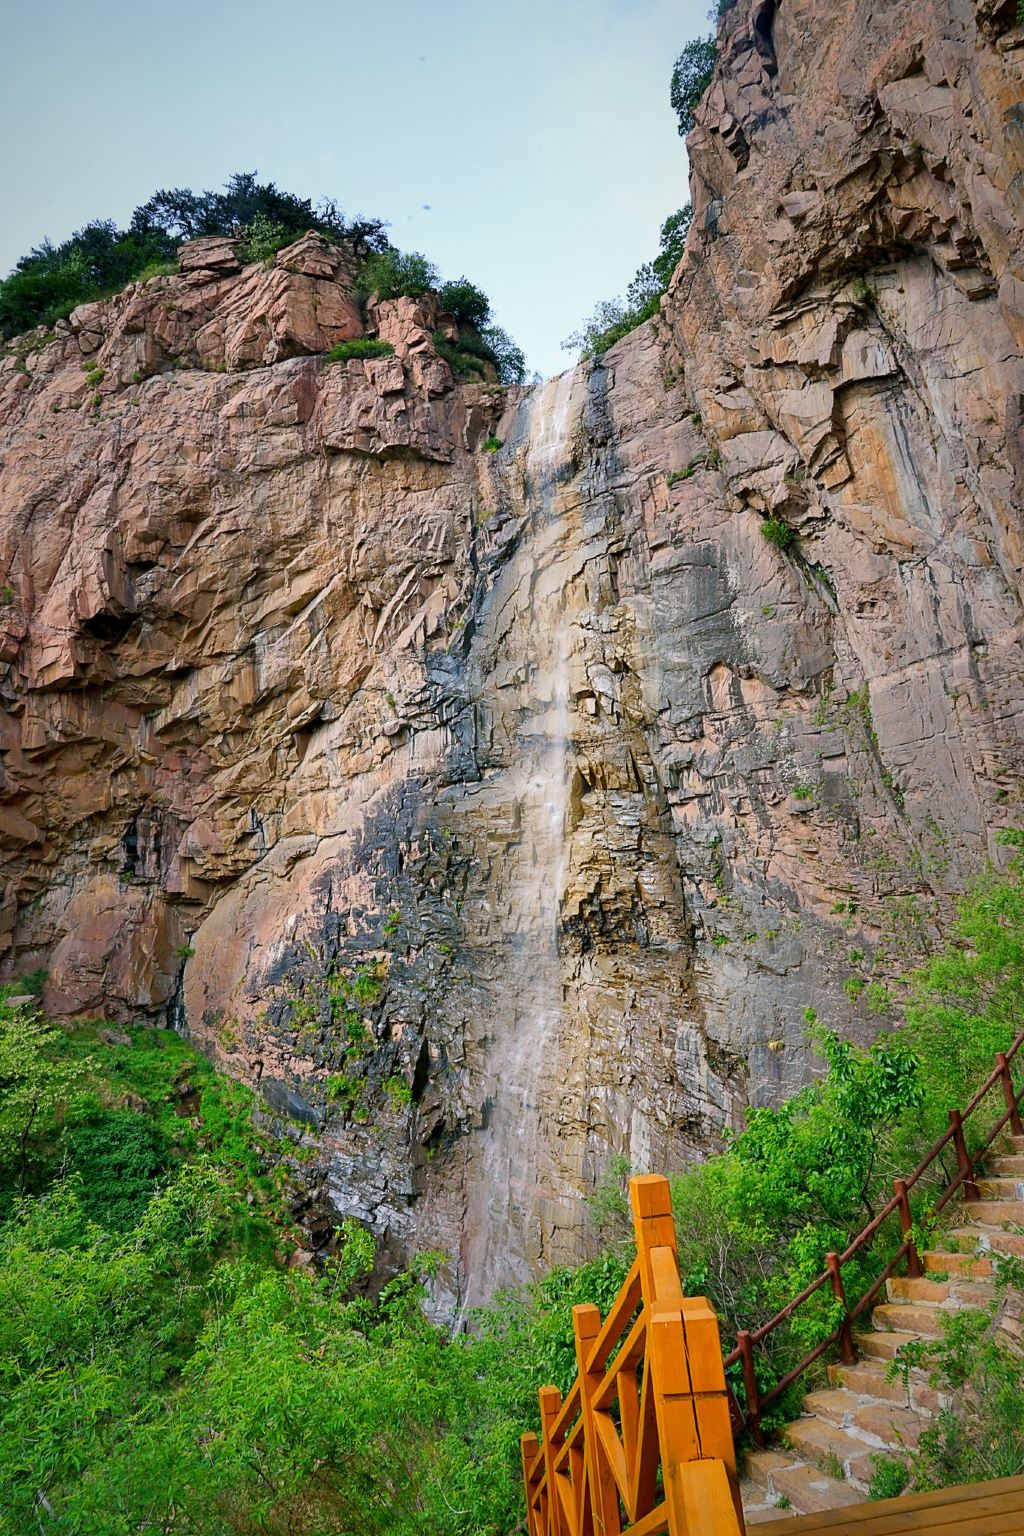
(538, 131)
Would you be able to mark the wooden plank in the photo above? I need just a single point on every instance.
(623, 1307)
(707, 1500)
(652, 1524)
(969, 1509)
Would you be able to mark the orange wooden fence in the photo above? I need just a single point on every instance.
(643, 1442)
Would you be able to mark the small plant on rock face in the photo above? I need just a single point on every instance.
(776, 532)
(492, 444)
(360, 347)
(398, 1091)
(803, 791)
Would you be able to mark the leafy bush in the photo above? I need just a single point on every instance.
(262, 238)
(492, 444)
(98, 260)
(361, 347)
(461, 360)
(980, 1435)
(465, 302)
(614, 318)
(395, 274)
(120, 1158)
(508, 358)
(776, 532)
(691, 77)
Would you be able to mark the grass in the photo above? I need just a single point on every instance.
(362, 347)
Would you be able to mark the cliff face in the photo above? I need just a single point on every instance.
(496, 812)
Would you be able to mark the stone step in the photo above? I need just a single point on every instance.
(995, 1213)
(1003, 1190)
(760, 1514)
(1011, 1143)
(756, 1509)
(909, 1317)
(887, 1423)
(810, 1491)
(870, 1378)
(820, 1443)
(904, 1288)
(1009, 1167)
(989, 1240)
(760, 1466)
(957, 1264)
(882, 1346)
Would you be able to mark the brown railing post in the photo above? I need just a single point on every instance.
(746, 1350)
(847, 1348)
(963, 1157)
(914, 1267)
(1009, 1096)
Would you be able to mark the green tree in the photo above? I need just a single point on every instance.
(691, 77)
(396, 274)
(465, 302)
(35, 1079)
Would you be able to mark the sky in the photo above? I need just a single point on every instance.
(529, 146)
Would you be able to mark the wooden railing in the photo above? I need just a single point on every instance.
(748, 1415)
(643, 1441)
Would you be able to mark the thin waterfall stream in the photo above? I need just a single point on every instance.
(513, 1182)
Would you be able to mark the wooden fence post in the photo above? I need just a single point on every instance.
(847, 1348)
(1009, 1096)
(746, 1350)
(529, 1445)
(602, 1494)
(551, 1509)
(684, 1357)
(963, 1157)
(914, 1267)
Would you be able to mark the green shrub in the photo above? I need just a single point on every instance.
(492, 444)
(262, 238)
(119, 1158)
(393, 274)
(614, 318)
(360, 347)
(691, 77)
(777, 532)
(462, 363)
(465, 302)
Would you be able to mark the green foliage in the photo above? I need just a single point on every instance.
(394, 274)
(507, 356)
(981, 1434)
(35, 1077)
(398, 1091)
(614, 318)
(492, 444)
(263, 237)
(120, 1157)
(778, 533)
(691, 77)
(465, 302)
(100, 259)
(361, 347)
(48, 283)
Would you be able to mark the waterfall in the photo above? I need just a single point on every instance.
(515, 1180)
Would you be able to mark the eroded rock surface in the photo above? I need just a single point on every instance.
(492, 813)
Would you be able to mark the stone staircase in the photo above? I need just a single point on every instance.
(824, 1458)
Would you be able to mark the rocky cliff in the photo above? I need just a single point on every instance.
(493, 812)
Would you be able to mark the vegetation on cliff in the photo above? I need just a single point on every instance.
(615, 318)
(100, 259)
(162, 1364)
